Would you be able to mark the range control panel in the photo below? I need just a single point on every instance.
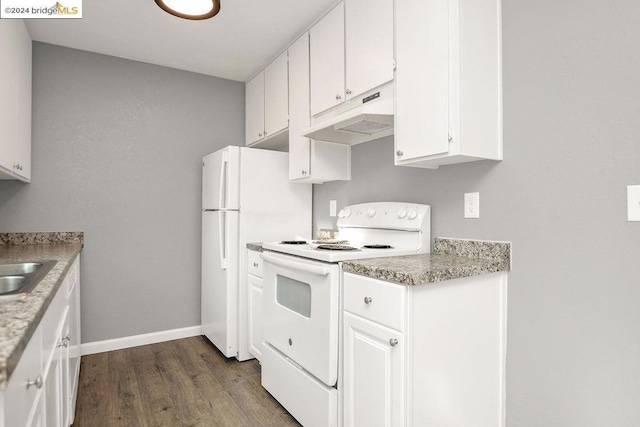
(386, 215)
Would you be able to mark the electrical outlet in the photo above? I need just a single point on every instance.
(472, 205)
(332, 208)
(633, 202)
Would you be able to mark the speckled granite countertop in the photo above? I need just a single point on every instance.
(450, 259)
(255, 246)
(21, 314)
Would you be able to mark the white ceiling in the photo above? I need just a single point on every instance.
(234, 44)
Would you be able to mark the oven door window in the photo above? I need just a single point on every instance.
(294, 295)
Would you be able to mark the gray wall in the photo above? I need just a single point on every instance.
(117, 148)
(571, 145)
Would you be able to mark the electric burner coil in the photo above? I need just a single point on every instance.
(336, 248)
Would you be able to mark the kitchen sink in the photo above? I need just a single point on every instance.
(20, 268)
(19, 278)
(9, 284)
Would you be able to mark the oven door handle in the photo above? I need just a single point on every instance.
(305, 268)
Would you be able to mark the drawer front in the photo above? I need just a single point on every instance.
(295, 388)
(254, 265)
(376, 300)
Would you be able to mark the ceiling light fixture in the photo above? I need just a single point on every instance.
(191, 9)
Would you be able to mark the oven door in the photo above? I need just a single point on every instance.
(300, 312)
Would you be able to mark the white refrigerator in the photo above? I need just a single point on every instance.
(246, 197)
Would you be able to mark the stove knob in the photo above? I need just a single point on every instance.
(402, 213)
(341, 213)
(412, 214)
(347, 213)
(371, 212)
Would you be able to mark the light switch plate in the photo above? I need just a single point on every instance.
(472, 205)
(332, 208)
(633, 202)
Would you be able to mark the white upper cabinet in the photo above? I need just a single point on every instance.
(351, 52)
(299, 119)
(254, 109)
(368, 44)
(448, 91)
(267, 106)
(15, 102)
(327, 61)
(276, 96)
(310, 161)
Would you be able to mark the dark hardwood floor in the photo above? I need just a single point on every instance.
(185, 382)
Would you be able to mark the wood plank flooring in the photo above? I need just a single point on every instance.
(186, 382)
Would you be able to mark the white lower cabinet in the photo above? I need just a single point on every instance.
(255, 303)
(255, 314)
(373, 390)
(428, 355)
(43, 387)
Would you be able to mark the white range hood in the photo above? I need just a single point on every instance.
(361, 120)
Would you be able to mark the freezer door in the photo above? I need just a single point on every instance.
(219, 305)
(221, 179)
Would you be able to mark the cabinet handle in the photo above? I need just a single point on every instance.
(399, 153)
(255, 264)
(348, 91)
(393, 342)
(338, 97)
(38, 382)
(265, 133)
(368, 300)
(260, 135)
(304, 172)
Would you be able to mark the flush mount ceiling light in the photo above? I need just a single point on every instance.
(191, 9)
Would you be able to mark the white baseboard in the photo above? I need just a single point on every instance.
(137, 340)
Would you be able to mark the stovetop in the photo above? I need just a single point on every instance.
(312, 251)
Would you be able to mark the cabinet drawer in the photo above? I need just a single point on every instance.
(376, 300)
(254, 265)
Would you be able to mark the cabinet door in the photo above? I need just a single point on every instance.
(300, 115)
(9, 46)
(327, 61)
(373, 374)
(25, 387)
(422, 78)
(23, 106)
(369, 44)
(276, 96)
(74, 341)
(255, 316)
(55, 387)
(254, 109)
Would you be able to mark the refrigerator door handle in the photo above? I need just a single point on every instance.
(223, 180)
(223, 239)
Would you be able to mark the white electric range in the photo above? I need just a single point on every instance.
(302, 301)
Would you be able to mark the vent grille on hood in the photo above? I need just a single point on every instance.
(364, 122)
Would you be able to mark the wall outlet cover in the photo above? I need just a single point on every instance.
(633, 202)
(472, 205)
